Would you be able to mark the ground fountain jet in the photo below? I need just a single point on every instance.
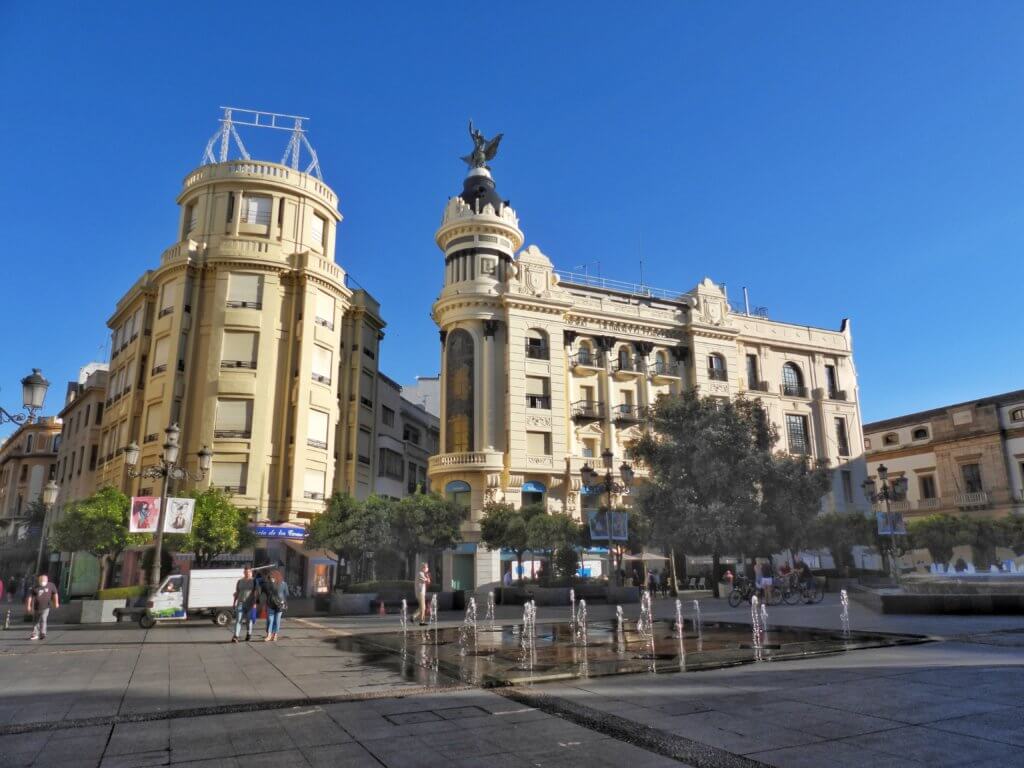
(404, 617)
(572, 607)
(681, 635)
(698, 623)
(580, 625)
(844, 600)
(756, 628)
(489, 616)
(467, 632)
(433, 616)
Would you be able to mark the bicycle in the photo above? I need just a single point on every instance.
(742, 589)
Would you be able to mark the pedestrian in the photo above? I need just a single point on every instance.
(40, 599)
(275, 599)
(422, 582)
(767, 582)
(507, 578)
(245, 599)
(652, 582)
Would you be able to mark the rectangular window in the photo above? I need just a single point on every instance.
(313, 484)
(391, 464)
(324, 310)
(322, 363)
(231, 206)
(796, 430)
(161, 354)
(93, 455)
(239, 349)
(538, 392)
(411, 434)
(153, 424)
(366, 388)
(841, 440)
(589, 448)
(363, 440)
(234, 419)
(318, 428)
(167, 298)
(538, 443)
(387, 416)
(847, 478)
(587, 394)
(316, 230)
(752, 377)
(229, 475)
(831, 382)
(245, 290)
(972, 478)
(81, 459)
(99, 413)
(256, 209)
(926, 484)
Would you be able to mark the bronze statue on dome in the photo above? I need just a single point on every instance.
(483, 149)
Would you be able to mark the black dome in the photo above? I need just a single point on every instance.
(478, 190)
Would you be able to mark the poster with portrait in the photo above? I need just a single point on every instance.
(179, 515)
(598, 520)
(620, 526)
(145, 514)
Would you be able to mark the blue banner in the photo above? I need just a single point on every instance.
(279, 532)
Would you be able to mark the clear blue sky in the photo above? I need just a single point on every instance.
(859, 159)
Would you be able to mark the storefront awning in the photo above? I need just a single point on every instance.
(314, 555)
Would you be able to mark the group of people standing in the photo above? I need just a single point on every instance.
(254, 594)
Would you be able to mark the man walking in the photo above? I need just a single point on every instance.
(40, 599)
(245, 600)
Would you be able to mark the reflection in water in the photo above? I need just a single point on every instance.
(527, 653)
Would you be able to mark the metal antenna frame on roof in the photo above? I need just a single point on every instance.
(256, 119)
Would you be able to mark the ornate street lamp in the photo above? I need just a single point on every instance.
(608, 485)
(33, 393)
(166, 470)
(887, 494)
(50, 492)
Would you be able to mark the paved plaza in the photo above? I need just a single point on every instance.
(182, 695)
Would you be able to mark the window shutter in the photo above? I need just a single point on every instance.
(244, 288)
(318, 421)
(239, 346)
(153, 420)
(316, 230)
(325, 307)
(314, 481)
(536, 443)
(322, 362)
(228, 474)
(234, 415)
(256, 210)
(161, 355)
(536, 385)
(363, 443)
(167, 299)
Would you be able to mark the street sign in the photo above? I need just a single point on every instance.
(279, 531)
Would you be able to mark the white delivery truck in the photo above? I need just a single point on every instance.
(208, 593)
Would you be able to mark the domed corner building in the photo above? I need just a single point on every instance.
(544, 371)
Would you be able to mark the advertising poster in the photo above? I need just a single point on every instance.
(179, 515)
(598, 521)
(891, 524)
(145, 514)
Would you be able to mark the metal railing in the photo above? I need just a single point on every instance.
(972, 499)
(758, 386)
(793, 390)
(626, 366)
(537, 351)
(321, 378)
(233, 433)
(626, 412)
(538, 401)
(244, 304)
(166, 311)
(837, 394)
(322, 444)
(159, 368)
(588, 409)
(251, 364)
(596, 281)
(663, 368)
(587, 359)
(312, 495)
(232, 488)
(718, 374)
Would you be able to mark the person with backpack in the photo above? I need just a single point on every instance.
(275, 600)
(245, 601)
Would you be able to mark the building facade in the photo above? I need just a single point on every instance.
(28, 460)
(247, 336)
(81, 420)
(966, 458)
(543, 371)
(407, 436)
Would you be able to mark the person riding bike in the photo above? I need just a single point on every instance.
(805, 578)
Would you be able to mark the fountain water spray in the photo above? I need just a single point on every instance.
(489, 617)
(645, 624)
(680, 631)
(580, 625)
(844, 599)
(764, 618)
(698, 624)
(572, 607)
(756, 628)
(467, 632)
(619, 619)
(404, 617)
(527, 639)
(433, 615)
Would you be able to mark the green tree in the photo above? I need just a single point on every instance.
(218, 528)
(791, 492)
(354, 530)
(559, 534)
(425, 522)
(707, 458)
(502, 526)
(97, 525)
(840, 532)
(936, 533)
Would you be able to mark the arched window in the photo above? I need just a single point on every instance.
(537, 345)
(28, 443)
(891, 439)
(458, 433)
(625, 358)
(716, 368)
(921, 433)
(459, 493)
(792, 380)
(585, 354)
(1017, 415)
(661, 362)
(533, 492)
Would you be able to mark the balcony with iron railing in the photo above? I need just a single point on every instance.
(971, 500)
(234, 304)
(538, 401)
(718, 374)
(627, 412)
(757, 386)
(585, 360)
(793, 390)
(237, 489)
(249, 364)
(232, 434)
(312, 495)
(837, 394)
(663, 369)
(928, 505)
(623, 368)
(588, 410)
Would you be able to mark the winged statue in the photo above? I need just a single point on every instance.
(483, 149)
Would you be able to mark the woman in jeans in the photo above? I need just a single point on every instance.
(275, 598)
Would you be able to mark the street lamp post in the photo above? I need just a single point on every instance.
(166, 470)
(887, 494)
(50, 491)
(33, 393)
(593, 479)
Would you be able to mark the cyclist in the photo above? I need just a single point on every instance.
(805, 578)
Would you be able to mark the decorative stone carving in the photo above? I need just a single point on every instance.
(491, 328)
(568, 337)
(539, 422)
(444, 335)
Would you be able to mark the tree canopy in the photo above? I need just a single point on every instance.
(218, 528)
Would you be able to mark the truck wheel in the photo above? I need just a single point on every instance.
(146, 621)
(222, 618)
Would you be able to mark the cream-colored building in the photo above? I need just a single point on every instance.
(966, 458)
(28, 460)
(541, 372)
(247, 335)
(78, 455)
